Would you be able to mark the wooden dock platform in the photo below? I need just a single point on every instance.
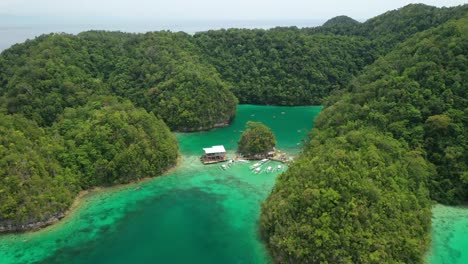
(206, 162)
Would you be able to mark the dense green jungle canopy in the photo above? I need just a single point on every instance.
(157, 71)
(107, 142)
(256, 139)
(104, 142)
(85, 110)
(360, 193)
(33, 184)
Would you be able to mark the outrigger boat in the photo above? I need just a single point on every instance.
(227, 165)
(263, 161)
(255, 165)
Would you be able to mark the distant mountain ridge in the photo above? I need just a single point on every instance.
(339, 20)
(395, 26)
(391, 137)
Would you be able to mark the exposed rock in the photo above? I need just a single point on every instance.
(9, 227)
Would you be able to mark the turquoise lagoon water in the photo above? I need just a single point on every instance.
(449, 235)
(195, 214)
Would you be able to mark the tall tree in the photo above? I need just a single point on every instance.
(256, 139)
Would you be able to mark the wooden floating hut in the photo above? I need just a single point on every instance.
(214, 154)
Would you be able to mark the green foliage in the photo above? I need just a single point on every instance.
(283, 66)
(163, 75)
(104, 142)
(193, 99)
(256, 139)
(33, 185)
(158, 71)
(419, 94)
(359, 193)
(108, 142)
(41, 77)
(357, 198)
(393, 27)
(386, 141)
(396, 26)
(290, 66)
(340, 20)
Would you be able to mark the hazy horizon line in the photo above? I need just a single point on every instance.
(110, 19)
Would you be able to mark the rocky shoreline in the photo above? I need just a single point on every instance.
(208, 128)
(30, 226)
(7, 227)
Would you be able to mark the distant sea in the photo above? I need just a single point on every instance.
(18, 32)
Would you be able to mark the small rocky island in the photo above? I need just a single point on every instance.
(257, 141)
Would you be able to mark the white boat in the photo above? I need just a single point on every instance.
(242, 160)
(258, 170)
(223, 167)
(255, 165)
(268, 169)
(264, 160)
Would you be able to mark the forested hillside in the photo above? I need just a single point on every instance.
(157, 71)
(33, 185)
(291, 66)
(93, 109)
(100, 144)
(189, 81)
(284, 66)
(360, 191)
(339, 21)
(108, 142)
(162, 72)
(393, 27)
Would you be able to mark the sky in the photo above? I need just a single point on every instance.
(209, 9)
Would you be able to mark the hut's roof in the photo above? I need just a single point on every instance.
(214, 149)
